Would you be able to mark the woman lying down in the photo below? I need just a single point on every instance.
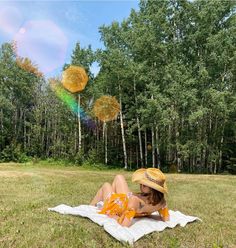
(123, 205)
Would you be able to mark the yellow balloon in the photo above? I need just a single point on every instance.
(74, 78)
(149, 147)
(106, 108)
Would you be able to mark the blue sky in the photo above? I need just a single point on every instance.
(47, 31)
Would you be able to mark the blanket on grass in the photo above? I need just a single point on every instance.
(139, 227)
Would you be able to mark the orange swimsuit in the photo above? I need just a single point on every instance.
(117, 204)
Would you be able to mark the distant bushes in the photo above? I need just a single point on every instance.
(231, 166)
(13, 154)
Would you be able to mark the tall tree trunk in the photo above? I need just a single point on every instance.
(104, 135)
(29, 136)
(153, 144)
(47, 139)
(79, 124)
(24, 131)
(157, 149)
(75, 134)
(206, 159)
(168, 146)
(130, 158)
(145, 146)
(137, 160)
(153, 148)
(139, 129)
(220, 152)
(215, 166)
(97, 136)
(2, 145)
(140, 142)
(19, 125)
(15, 126)
(122, 131)
(43, 132)
(54, 135)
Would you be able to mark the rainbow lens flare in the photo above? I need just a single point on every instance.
(74, 78)
(71, 102)
(106, 108)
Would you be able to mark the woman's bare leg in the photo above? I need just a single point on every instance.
(102, 193)
(120, 185)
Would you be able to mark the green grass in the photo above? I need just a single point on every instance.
(26, 191)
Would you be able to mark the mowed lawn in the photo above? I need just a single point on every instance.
(26, 191)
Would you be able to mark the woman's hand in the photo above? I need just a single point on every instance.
(116, 217)
(165, 218)
(163, 211)
(129, 213)
(126, 222)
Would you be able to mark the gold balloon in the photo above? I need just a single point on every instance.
(106, 108)
(74, 78)
(149, 147)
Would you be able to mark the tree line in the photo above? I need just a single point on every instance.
(171, 66)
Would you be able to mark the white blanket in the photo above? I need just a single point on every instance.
(139, 227)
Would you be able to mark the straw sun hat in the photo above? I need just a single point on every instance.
(152, 178)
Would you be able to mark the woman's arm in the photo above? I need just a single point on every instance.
(136, 205)
(149, 208)
(126, 222)
(128, 215)
(145, 209)
(164, 212)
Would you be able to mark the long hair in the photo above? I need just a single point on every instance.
(154, 197)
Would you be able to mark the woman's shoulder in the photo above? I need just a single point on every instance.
(147, 207)
(140, 199)
(140, 196)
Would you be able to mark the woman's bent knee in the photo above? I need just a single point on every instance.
(119, 177)
(107, 185)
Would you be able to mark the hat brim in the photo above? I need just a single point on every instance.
(139, 177)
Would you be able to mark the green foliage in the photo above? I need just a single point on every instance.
(170, 64)
(94, 156)
(13, 153)
(79, 158)
(173, 168)
(231, 167)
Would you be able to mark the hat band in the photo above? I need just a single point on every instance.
(160, 183)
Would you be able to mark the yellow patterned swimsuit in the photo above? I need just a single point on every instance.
(117, 204)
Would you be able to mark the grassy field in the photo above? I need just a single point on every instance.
(26, 191)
